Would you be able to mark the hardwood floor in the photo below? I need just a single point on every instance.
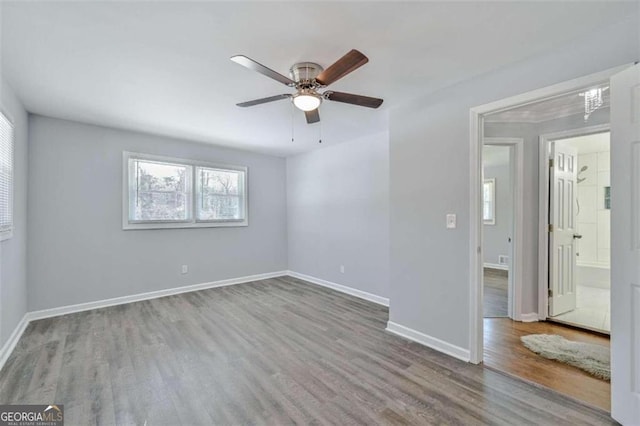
(504, 351)
(277, 351)
(495, 298)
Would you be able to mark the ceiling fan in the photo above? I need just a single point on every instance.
(308, 78)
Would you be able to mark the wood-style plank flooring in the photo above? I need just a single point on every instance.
(495, 297)
(278, 351)
(504, 351)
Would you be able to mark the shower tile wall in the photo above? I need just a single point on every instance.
(593, 218)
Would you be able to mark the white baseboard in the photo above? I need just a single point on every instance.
(530, 317)
(496, 266)
(429, 341)
(63, 310)
(11, 343)
(341, 288)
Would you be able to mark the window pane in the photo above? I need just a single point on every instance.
(220, 194)
(162, 191)
(488, 201)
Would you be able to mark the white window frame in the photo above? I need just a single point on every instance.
(492, 184)
(192, 222)
(197, 192)
(8, 233)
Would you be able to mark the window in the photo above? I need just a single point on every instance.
(160, 192)
(489, 202)
(6, 178)
(164, 192)
(220, 194)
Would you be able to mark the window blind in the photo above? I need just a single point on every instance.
(6, 175)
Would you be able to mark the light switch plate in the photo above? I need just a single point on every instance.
(451, 221)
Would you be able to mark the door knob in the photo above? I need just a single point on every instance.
(577, 236)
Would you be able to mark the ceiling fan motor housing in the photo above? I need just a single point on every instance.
(304, 73)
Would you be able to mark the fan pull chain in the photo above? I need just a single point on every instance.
(320, 132)
(292, 127)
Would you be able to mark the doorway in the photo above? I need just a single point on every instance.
(624, 82)
(501, 214)
(579, 237)
(562, 115)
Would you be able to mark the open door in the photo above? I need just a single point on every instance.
(563, 232)
(625, 246)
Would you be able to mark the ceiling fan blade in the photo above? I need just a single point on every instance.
(312, 116)
(343, 66)
(255, 66)
(349, 98)
(263, 100)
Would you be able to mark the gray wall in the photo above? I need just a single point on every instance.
(78, 250)
(496, 236)
(13, 252)
(338, 214)
(429, 177)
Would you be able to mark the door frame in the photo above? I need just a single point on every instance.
(516, 175)
(545, 141)
(476, 136)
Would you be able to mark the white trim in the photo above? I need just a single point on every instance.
(192, 222)
(80, 307)
(495, 266)
(491, 221)
(13, 340)
(530, 317)
(341, 288)
(476, 134)
(429, 341)
(543, 241)
(476, 225)
(543, 213)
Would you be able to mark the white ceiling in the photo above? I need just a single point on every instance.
(164, 68)
(550, 109)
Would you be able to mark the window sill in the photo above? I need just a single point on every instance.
(183, 225)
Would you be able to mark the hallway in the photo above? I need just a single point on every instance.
(504, 352)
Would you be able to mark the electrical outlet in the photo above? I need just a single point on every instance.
(342, 269)
(451, 221)
(185, 269)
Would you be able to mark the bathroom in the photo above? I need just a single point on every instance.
(594, 234)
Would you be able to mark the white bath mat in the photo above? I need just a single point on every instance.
(594, 359)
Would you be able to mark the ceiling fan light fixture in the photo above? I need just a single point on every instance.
(307, 101)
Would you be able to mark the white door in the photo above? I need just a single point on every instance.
(563, 232)
(625, 246)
